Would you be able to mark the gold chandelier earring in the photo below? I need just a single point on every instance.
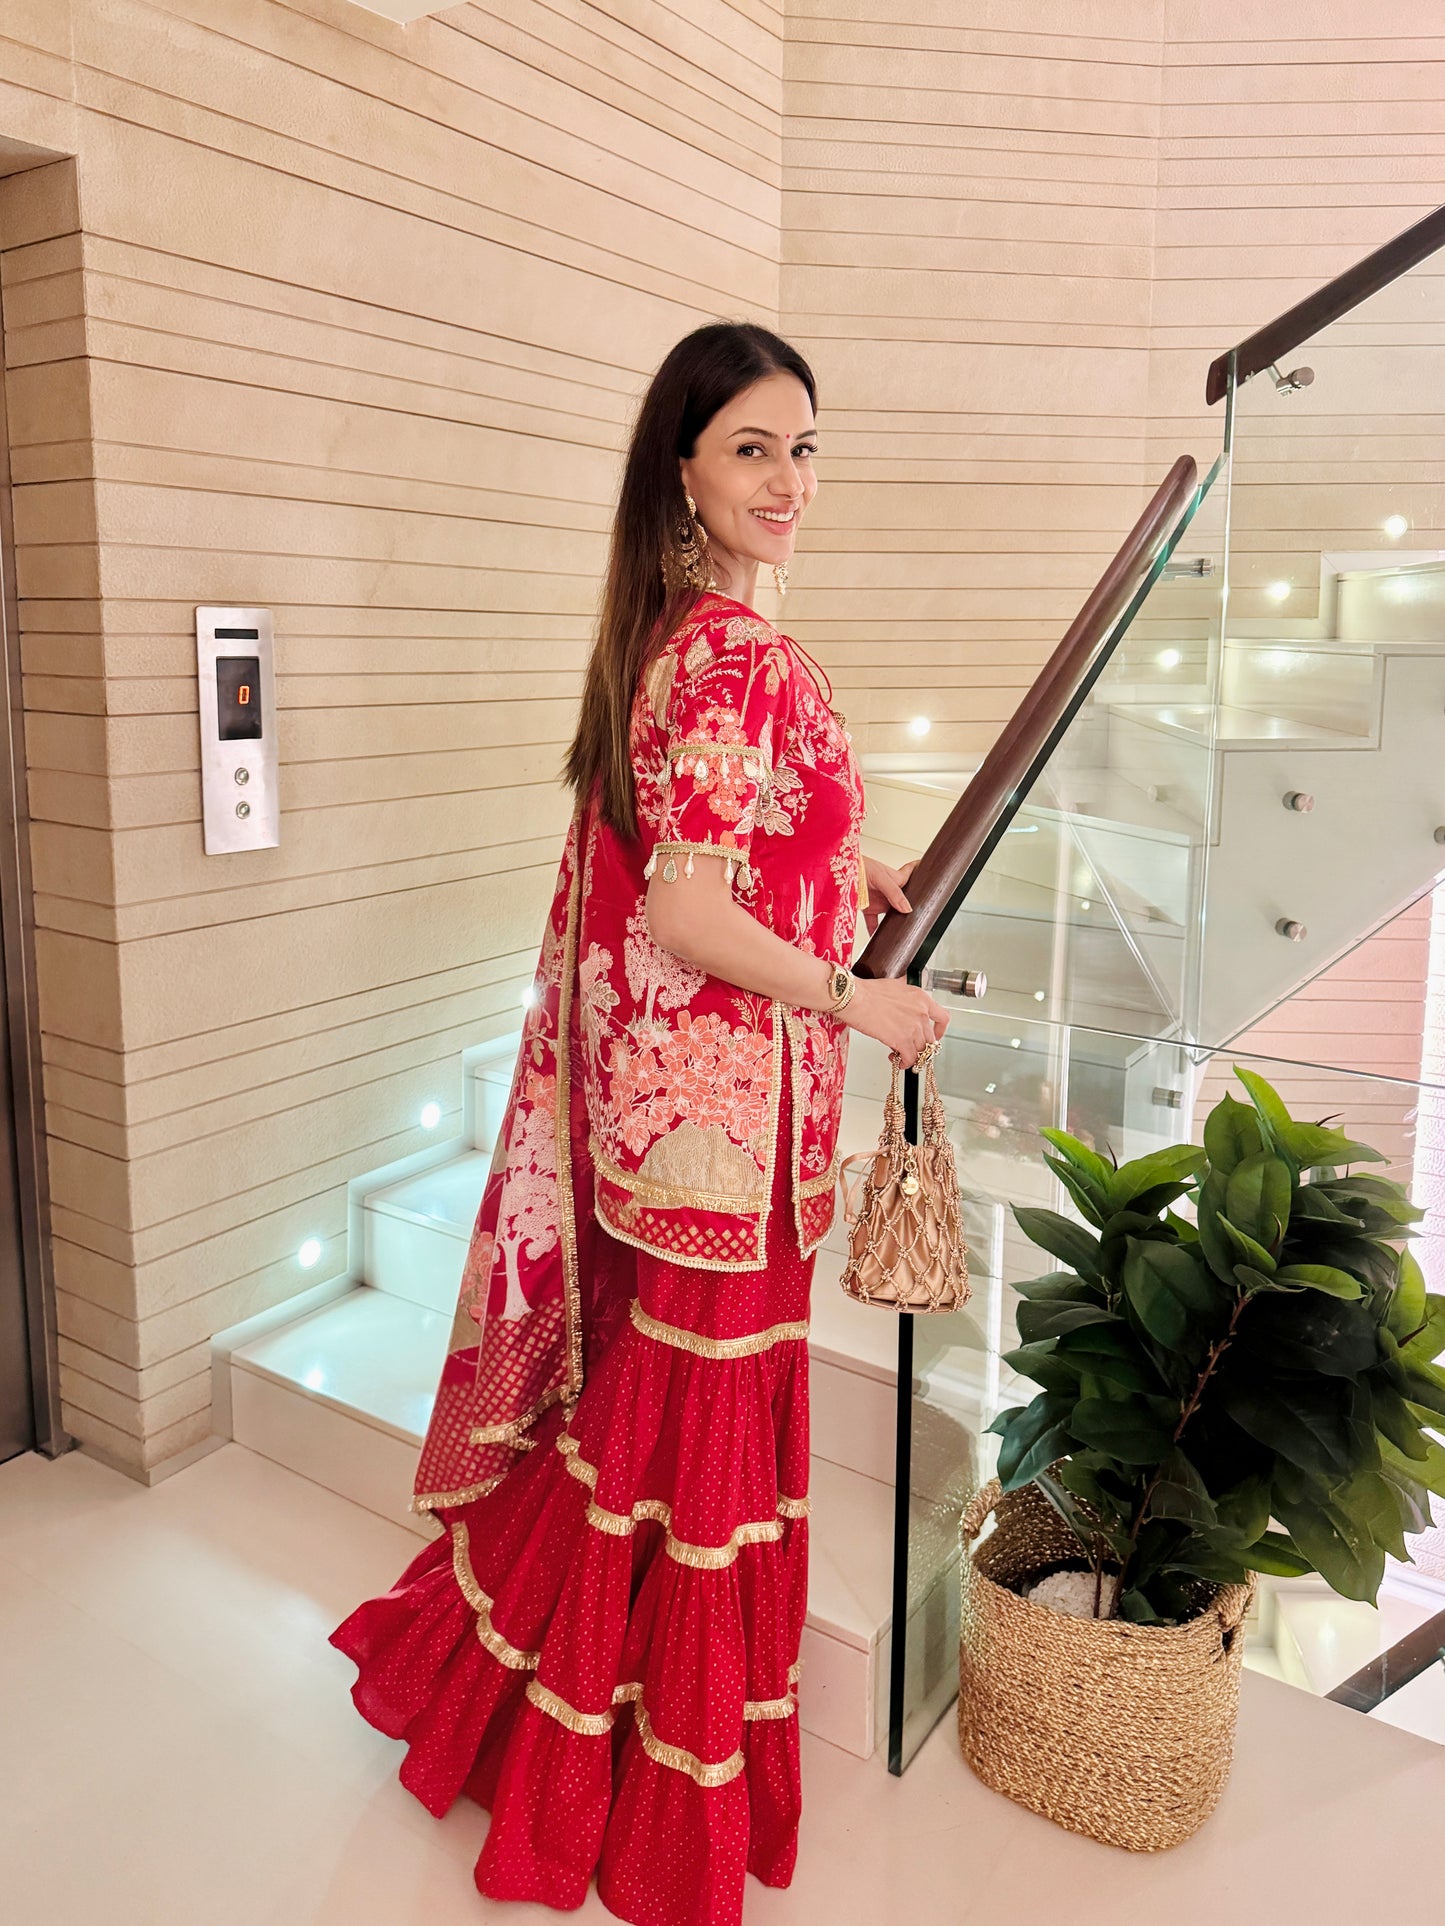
(780, 576)
(687, 560)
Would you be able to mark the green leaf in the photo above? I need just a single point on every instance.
(1309, 1428)
(1060, 1238)
(1424, 1385)
(1072, 1510)
(1312, 1334)
(1409, 1300)
(1257, 1199)
(1055, 1286)
(1255, 1255)
(1321, 1277)
(1217, 1248)
(1268, 1104)
(1231, 1133)
(1160, 1168)
(1362, 1190)
(1243, 1512)
(1201, 1560)
(1135, 1607)
(1337, 1548)
(1251, 1280)
(1413, 1502)
(1313, 1146)
(1428, 1341)
(1368, 1501)
(1276, 1555)
(1170, 1293)
(1112, 1352)
(1032, 1437)
(1313, 1205)
(1129, 1432)
(1088, 1163)
(1393, 1421)
(1089, 1205)
(1429, 1471)
(1047, 1320)
(1103, 1487)
(1181, 1493)
(1045, 1366)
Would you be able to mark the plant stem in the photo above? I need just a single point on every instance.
(1206, 1372)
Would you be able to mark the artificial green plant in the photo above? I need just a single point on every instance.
(1249, 1389)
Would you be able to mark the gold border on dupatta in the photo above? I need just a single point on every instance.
(425, 1502)
(571, 1293)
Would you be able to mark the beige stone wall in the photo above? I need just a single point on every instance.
(968, 221)
(1292, 142)
(348, 321)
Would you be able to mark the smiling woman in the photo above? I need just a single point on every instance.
(753, 480)
(602, 1645)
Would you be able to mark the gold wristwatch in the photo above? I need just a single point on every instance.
(841, 985)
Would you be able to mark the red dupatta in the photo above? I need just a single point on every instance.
(517, 1340)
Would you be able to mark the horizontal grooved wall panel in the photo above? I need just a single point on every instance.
(349, 321)
(967, 259)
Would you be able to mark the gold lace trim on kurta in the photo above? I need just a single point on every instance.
(620, 1524)
(747, 1346)
(681, 1194)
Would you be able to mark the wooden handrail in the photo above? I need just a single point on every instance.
(984, 810)
(1298, 324)
(1387, 1674)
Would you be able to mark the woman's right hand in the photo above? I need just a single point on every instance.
(900, 1015)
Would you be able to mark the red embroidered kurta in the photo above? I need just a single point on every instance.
(646, 1094)
(737, 759)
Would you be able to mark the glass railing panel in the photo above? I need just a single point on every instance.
(1087, 910)
(1333, 663)
(1003, 1078)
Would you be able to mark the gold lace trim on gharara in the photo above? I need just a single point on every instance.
(700, 1557)
(597, 1724)
(425, 1503)
(500, 1648)
(710, 1347)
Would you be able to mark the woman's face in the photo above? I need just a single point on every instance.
(752, 475)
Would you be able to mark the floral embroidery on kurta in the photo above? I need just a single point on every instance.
(736, 758)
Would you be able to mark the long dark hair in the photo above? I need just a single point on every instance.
(638, 613)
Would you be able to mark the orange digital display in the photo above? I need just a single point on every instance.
(238, 706)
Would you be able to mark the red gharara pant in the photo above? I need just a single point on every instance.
(603, 1649)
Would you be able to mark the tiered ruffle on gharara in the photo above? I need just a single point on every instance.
(602, 1650)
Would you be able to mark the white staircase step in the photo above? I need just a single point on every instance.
(1236, 728)
(416, 1231)
(343, 1395)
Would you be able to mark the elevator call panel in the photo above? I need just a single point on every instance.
(237, 689)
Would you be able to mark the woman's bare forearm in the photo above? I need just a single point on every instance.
(697, 919)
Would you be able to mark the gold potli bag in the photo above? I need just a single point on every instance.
(906, 1249)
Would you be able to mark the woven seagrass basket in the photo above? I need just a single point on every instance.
(1123, 1732)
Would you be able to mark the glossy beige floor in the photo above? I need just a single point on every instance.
(177, 1748)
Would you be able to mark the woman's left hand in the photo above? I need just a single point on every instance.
(885, 889)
